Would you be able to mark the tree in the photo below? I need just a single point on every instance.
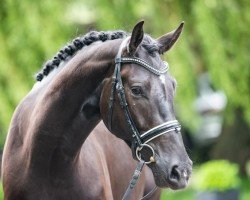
(30, 33)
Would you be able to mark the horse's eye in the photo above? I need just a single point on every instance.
(136, 90)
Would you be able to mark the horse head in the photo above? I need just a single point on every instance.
(137, 106)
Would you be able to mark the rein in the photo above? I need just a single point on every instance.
(139, 141)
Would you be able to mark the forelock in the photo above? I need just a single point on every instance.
(150, 45)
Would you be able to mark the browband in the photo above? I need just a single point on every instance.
(143, 64)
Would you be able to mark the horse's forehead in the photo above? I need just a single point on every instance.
(154, 59)
(139, 75)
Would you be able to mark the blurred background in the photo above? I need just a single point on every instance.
(210, 63)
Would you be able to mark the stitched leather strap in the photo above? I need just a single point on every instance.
(164, 128)
(144, 64)
(133, 180)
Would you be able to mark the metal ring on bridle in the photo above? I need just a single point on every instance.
(138, 155)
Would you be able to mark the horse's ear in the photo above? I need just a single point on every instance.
(136, 37)
(166, 41)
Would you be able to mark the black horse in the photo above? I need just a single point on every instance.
(110, 76)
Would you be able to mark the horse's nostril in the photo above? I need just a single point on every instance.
(175, 173)
(178, 176)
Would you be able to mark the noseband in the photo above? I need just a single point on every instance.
(139, 140)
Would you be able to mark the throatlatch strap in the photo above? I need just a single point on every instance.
(134, 180)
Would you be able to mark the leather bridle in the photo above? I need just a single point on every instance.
(139, 140)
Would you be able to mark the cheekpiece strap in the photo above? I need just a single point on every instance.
(117, 85)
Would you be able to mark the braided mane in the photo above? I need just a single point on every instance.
(77, 44)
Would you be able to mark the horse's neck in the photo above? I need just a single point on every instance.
(60, 123)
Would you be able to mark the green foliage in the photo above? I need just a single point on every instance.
(30, 33)
(221, 28)
(190, 193)
(217, 175)
(1, 192)
(187, 194)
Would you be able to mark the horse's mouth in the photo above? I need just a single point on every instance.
(172, 180)
(176, 184)
(172, 184)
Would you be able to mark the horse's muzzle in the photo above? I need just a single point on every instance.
(179, 176)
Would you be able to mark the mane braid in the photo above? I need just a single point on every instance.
(77, 44)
